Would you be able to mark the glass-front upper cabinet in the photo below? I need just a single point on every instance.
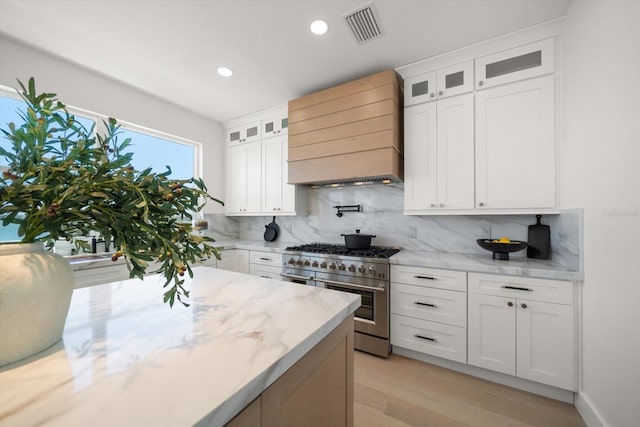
(442, 83)
(520, 63)
(243, 134)
(276, 124)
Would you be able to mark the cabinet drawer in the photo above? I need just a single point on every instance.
(266, 258)
(433, 278)
(265, 271)
(100, 275)
(556, 291)
(437, 305)
(448, 342)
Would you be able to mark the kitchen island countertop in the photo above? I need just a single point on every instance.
(126, 358)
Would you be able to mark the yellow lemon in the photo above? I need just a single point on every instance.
(502, 240)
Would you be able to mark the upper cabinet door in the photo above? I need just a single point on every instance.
(277, 124)
(244, 134)
(420, 88)
(420, 157)
(455, 80)
(523, 62)
(515, 145)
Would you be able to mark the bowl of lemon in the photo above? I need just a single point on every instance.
(501, 247)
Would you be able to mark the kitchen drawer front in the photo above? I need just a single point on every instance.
(266, 271)
(448, 342)
(436, 305)
(100, 275)
(556, 291)
(433, 278)
(266, 258)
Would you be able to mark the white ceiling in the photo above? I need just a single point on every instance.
(172, 48)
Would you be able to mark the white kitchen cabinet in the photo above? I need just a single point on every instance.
(429, 311)
(278, 197)
(234, 260)
(244, 179)
(439, 155)
(522, 62)
(112, 272)
(515, 146)
(449, 81)
(276, 124)
(265, 264)
(514, 327)
(249, 132)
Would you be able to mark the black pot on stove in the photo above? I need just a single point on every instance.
(357, 240)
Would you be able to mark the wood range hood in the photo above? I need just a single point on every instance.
(348, 134)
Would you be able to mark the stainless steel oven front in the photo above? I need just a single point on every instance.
(372, 317)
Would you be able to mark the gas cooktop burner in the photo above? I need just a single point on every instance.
(321, 248)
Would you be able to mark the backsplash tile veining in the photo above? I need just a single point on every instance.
(382, 207)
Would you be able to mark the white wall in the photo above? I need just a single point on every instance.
(89, 90)
(601, 171)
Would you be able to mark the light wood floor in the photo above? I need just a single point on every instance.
(405, 392)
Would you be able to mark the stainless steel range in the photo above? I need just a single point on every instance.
(360, 271)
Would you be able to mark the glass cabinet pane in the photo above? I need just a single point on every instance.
(420, 88)
(285, 123)
(268, 127)
(454, 79)
(234, 136)
(511, 65)
(252, 131)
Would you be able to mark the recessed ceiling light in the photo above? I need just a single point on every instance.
(225, 72)
(319, 27)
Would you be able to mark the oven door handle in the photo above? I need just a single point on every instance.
(293, 276)
(351, 285)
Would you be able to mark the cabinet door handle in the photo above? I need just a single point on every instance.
(425, 277)
(266, 259)
(510, 304)
(523, 305)
(266, 277)
(425, 303)
(433, 205)
(422, 337)
(481, 204)
(480, 83)
(440, 93)
(432, 95)
(516, 288)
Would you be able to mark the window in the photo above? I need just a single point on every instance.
(150, 148)
(154, 150)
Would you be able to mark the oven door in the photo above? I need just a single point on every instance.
(372, 317)
(297, 275)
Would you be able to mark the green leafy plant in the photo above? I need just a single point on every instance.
(63, 181)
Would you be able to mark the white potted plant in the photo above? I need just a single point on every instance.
(62, 182)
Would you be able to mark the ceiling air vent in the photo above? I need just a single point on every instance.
(364, 23)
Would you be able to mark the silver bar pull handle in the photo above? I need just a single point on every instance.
(422, 337)
(293, 276)
(425, 303)
(516, 288)
(351, 285)
(265, 259)
(425, 277)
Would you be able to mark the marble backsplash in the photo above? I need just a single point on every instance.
(382, 207)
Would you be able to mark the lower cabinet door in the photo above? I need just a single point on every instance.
(437, 339)
(492, 333)
(545, 341)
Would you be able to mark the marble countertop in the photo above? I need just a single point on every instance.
(485, 264)
(479, 263)
(126, 358)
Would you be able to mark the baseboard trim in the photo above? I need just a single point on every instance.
(551, 392)
(587, 412)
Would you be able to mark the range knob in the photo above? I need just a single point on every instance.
(292, 261)
(372, 270)
(341, 267)
(299, 262)
(352, 268)
(314, 264)
(361, 269)
(323, 265)
(307, 263)
(332, 266)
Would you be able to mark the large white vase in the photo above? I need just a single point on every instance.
(35, 293)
